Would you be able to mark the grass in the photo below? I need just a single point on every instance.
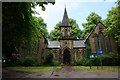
(77, 67)
(50, 68)
(58, 67)
(32, 69)
(94, 68)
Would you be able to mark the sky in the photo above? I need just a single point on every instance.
(76, 9)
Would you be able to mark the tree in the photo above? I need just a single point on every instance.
(112, 23)
(55, 34)
(41, 26)
(18, 25)
(92, 20)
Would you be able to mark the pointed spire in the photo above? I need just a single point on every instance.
(65, 21)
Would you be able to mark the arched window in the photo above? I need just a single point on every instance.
(78, 54)
(96, 43)
(108, 44)
(55, 54)
(66, 32)
(102, 42)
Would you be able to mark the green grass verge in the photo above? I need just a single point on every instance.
(32, 69)
(77, 67)
(94, 68)
(58, 67)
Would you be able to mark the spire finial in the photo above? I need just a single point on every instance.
(65, 5)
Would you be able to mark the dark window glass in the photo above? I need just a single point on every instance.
(78, 54)
(108, 44)
(65, 42)
(96, 43)
(55, 55)
(66, 32)
(102, 42)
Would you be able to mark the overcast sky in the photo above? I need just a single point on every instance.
(76, 9)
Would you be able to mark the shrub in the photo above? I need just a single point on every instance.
(55, 63)
(15, 61)
(49, 58)
(106, 60)
(61, 64)
(37, 64)
(28, 61)
(94, 61)
(111, 59)
(115, 59)
(82, 61)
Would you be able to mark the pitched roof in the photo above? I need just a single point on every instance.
(65, 21)
(93, 30)
(53, 44)
(78, 44)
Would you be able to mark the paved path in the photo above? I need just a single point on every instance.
(70, 72)
(64, 72)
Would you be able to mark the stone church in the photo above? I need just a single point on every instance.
(67, 49)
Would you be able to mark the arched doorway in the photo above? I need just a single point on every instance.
(66, 56)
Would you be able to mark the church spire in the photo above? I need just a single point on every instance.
(65, 21)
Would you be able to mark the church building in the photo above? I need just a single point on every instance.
(67, 50)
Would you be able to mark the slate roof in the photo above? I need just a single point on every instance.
(53, 44)
(76, 44)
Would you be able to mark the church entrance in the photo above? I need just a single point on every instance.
(66, 56)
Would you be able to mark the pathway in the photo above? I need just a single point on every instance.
(64, 72)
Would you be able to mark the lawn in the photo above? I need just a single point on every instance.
(94, 68)
(32, 69)
(58, 67)
(50, 68)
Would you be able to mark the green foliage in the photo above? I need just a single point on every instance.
(55, 34)
(82, 61)
(15, 61)
(28, 61)
(19, 24)
(32, 69)
(111, 59)
(112, 22)
(77, 67)
(37, 64)
(49, 58)
(88, 48)
(58, 67)
(55, 63)
(61, 64)
(115, 59)
(106, 60)
(41, 26)
(92, 20)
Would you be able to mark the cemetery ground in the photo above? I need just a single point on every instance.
(61, 72)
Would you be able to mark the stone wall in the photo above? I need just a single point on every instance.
(39, 55)
(96, 32)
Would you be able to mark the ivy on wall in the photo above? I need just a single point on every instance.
(88, 48)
